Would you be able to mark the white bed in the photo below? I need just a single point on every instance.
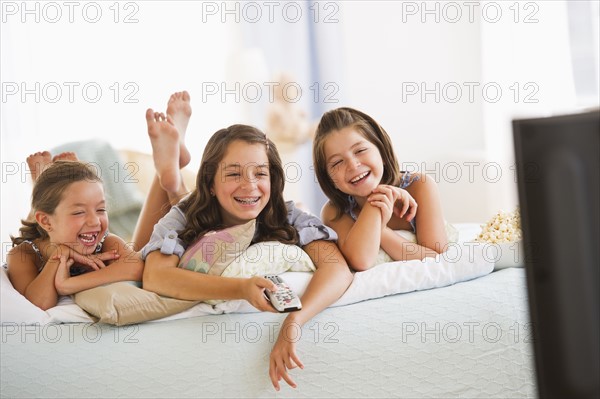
(469, 339)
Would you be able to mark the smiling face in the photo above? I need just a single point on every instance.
(354, 164)
(80, 219)
(242, 183)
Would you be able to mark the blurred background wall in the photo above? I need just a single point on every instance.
(444, 79)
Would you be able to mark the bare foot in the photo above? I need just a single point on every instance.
(65, 156)
(165, 149)
(37, 162)
(180, 111)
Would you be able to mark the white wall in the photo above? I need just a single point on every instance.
(464, 143)
(536, 57)
(388, 47)
(432, 134)
(167, 49)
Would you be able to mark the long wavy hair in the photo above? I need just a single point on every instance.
(341, 118)
(202, 210)
(48, 192)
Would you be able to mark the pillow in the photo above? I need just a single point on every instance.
(214, 251)
(15, 308)
(124, 303)
(506, 254)
(462, 262)
(383, 257)
(270, 257)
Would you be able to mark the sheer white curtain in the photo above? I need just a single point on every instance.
(584, 35)
(305, 42)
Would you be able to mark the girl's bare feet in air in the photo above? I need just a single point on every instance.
(37, 162)
(180, 111)
(65, 156)
(165, 149)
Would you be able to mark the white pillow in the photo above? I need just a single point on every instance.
(506, 254)
(269, 257)
(451, 232)
(16, 309)
(461, 262)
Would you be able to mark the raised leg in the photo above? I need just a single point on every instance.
(169, 152)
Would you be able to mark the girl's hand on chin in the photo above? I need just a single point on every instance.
(405, 205)
(95, 261)
(383, 197)
(63, 275)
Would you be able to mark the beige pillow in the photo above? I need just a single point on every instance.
(123, 303)
(215, 251)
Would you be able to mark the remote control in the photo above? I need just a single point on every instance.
(284, 299)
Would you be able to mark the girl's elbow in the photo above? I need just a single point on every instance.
(356, 261)
(359, 263)
(439, 247)
(45, 303)
(360, 267)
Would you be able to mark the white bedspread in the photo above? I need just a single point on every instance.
(470, 340)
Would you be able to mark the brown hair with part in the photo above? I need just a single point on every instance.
(341, 118)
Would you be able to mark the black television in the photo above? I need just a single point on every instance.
(558, 164)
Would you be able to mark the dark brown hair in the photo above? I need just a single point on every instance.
(202, 211)
(48, 192)
(341, 118)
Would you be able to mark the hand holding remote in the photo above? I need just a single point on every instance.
(284, 299)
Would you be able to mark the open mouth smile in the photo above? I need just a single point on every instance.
(360, 178)
(88, 238)
(247, 200)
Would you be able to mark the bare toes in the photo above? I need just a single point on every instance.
(149, 115)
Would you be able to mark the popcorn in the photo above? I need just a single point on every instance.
(502, 228)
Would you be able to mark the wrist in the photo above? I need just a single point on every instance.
(291, 330)
(383, 226)
(51, 265)
(294, 320)
(372, 212)
(240, 288)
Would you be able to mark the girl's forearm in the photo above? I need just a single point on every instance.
(399, 248)
(106, 275)
(163, 277)
(361, 245)
(328, 284)
(41, 291)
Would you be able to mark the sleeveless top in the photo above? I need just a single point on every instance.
(407, 180)
(41, 258)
